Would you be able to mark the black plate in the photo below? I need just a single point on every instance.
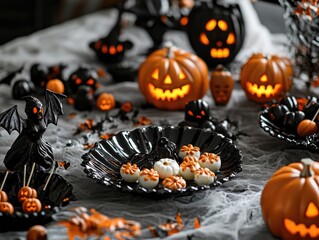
(58, 193)
(310, 142)
(104, 160)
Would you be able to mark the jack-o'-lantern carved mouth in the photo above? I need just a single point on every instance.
(219, 52)
(168, 94)
(301, 228)
(266, 90)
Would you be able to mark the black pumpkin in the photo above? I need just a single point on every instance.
(84, 99)
(216, 32)
(277, 113)
(292, 120)
(83, 76)
(111, 49)
(40, 74)
(197, 114)
(290, 102)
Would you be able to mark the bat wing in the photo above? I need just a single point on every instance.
(10, 120)
(54, 107)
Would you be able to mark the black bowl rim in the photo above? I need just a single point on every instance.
(275, 131)
(162, 192)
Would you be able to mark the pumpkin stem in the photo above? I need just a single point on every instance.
(307, 164)
(169, 46)
(219, 67)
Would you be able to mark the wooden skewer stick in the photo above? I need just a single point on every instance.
(4, 180)
(32, 170)
(48, 180)
(314, 117)
(24, 174)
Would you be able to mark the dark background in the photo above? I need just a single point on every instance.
(22, 17)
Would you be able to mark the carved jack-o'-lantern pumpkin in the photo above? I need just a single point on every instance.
(26, 192)
(290, 201)
(55, 85)
(221, 85)
(105, 102)
(6, 207)
(171, 77)
(216, 32)
(264, 78)
(31, 205)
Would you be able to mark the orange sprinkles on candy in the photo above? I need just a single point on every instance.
(128, 168)
(190, 149)
(205, 171)
(211, 157)
(149, 174)
(174, 182)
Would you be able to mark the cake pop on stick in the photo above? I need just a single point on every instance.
(3, 194)
(308, 127)
(26, 191)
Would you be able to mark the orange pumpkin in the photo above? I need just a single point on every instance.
(31, 205)
(221, 85)
(55, 85)
(3, 196)
(290, 201)
(264, 78)
(6, 207)
(105, 102)
(37, 232)
(26, 192)
(171, 77)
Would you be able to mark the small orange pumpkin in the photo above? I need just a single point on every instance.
(3, 196)
(6, 207)
(37, 232)
(221, 85)
(290, 201)
(55, 85)
(264, 78)
(26, 192)
(31, 205)
(171, 77)
(105, 102)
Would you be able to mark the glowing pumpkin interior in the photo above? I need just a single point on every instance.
(221, 50)
(262, 87)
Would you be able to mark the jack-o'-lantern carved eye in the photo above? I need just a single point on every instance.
(155, 74)
(35, 110)
(190, 113)
(231, 39)
(210, 25)
(78, 81)
(222, 25)
(90, 81)
(202, 113)
(182, 75)
(203, 39)
(312, 211)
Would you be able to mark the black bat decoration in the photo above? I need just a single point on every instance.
(30, 146)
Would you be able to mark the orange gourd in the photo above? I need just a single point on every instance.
(55, 85)
(264, 78)
(6, 207)
(171, 77)
(290, 201)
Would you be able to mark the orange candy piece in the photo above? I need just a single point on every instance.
(306, 128)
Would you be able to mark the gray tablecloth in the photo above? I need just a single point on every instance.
(231, 211)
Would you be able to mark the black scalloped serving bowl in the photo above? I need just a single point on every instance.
(104, 160)
(58, 193)
(273, 130)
